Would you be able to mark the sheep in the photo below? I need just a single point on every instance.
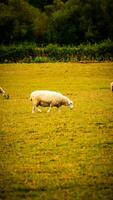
(49, 99)
(111, 85)
(3, 93)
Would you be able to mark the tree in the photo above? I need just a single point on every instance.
(58, 21)
(20, 22)
(6, 23)
(40, 3)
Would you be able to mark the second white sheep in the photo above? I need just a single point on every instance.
(111, 86)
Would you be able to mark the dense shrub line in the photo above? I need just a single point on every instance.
(30, 53)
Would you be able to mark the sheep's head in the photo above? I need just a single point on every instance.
(70, 104)
(6, 96)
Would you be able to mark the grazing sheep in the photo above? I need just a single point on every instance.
(49, 99)
(111, 86)
(3, 93)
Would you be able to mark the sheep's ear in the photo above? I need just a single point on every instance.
(71, 104)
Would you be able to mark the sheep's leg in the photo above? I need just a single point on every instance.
(33, 109)
(49, 108)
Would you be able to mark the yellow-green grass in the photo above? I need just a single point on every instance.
(65, 155)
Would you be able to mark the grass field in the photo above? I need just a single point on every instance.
(65, 155)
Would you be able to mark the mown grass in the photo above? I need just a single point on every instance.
(57, 155)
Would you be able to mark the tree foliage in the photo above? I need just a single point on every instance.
(56, 21)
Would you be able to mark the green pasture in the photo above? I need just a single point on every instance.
(65, 155)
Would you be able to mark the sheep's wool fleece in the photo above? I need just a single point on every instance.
(47, 95)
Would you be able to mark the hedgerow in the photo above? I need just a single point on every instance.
(31, 53)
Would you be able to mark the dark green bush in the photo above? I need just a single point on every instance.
(52, 53)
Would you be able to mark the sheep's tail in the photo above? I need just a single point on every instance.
(30, 98)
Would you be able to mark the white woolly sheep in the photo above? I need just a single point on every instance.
(111, 85)
(49, 99)
(3, 93)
